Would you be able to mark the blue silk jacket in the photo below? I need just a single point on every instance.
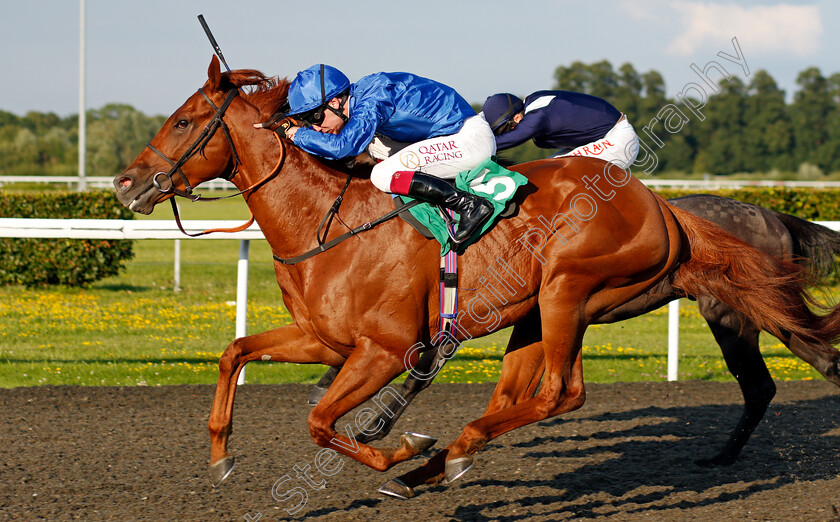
(403, 106)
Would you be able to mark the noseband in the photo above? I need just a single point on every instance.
(198, 146)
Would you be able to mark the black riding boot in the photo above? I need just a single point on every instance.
(474, 211)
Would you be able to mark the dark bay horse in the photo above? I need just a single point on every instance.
(775, 233)
(366, 302)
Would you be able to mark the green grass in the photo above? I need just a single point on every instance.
(133, 329)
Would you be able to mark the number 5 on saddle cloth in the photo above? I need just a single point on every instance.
(488, 180)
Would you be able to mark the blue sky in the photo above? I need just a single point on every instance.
(153, 54)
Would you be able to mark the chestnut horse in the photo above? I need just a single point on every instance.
(587, 238)
(782, 235)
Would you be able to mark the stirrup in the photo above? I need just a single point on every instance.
(448, 219)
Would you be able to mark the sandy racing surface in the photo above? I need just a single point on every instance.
(141, 454)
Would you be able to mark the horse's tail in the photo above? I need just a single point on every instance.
(771, 292)
(815, 243)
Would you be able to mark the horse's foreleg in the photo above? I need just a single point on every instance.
(421, 376)
(323, 384)
(739, 344)
(365, 373)
(286, 344)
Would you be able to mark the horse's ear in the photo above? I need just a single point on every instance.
(214, 73)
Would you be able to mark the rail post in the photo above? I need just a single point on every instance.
(673, 339)
(242, 296)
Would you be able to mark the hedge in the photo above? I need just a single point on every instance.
(71, 262)
(805, 203)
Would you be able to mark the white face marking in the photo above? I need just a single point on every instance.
(266, 357)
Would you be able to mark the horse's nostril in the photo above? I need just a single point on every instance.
(125, 182)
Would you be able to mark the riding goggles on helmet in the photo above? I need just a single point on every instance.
(302, 97)
(314, 116)
(499, 110)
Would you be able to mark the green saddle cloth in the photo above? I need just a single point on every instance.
(490, 181)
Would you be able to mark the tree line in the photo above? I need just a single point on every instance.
(746, 126)
(46, 144)
(741, 126)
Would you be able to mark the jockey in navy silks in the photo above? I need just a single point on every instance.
(576, 123)
(440, 134)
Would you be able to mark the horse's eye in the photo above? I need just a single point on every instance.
(182, 124)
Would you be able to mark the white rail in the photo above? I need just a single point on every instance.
(714, 183)
(146, 229)
(166, 229)
(120, 229)
(95, 181)
(219, 184)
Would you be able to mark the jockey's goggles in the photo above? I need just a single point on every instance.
(313, 117)
(316, 115)
(505, 127)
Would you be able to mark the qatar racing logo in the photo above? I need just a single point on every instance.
(410, 160)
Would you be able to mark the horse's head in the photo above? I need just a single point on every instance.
(186, 151)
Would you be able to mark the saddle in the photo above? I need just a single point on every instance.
(510, 210)
(488, 180)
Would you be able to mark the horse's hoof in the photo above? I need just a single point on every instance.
(397, 488)
(457, 467)
(418, 441)
(316, 395)
(220, 470)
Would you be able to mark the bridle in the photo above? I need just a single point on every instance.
(198, 147)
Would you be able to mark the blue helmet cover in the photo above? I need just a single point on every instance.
(305, 90)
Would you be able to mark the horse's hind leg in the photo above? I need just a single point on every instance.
(286, 344)
(523, 350)
(739, 343)
(522, 368)
(455, 460)
(562, 391)
(825, 359)
(522, 365)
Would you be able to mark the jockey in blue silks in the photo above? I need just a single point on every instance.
(579, 124)
(436, 131)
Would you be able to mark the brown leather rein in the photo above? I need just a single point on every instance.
(198, 146)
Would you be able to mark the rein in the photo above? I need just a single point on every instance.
(274, 172)
(323, 247)
(198, 146)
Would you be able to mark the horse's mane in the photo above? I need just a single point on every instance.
(268, 93)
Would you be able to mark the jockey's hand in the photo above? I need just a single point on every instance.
(364, 159)
(280, 122)
(289, 130)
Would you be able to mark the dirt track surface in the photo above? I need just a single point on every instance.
(141, 454)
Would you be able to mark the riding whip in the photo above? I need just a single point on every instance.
(213, 41)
